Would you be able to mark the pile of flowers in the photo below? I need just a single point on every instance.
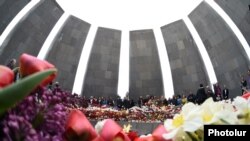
(31, 112)
(134, 114)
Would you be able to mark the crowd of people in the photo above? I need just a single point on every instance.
(158, 101)
(201, 95)
(206, 92)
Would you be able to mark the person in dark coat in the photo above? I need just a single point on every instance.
(191, 97)
(119, 102)
(243, 85)
(140, 101)
(201, 95)
(210, 93)
(217, 92)
(225, 93)
(126, 103)
(12, 64)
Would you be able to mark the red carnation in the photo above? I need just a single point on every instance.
(246, 95)
(30, 64)
(6, 76)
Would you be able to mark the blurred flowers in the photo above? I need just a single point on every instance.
(132, 135)
(246, 95)
(188, 125)
(186, 121)
(134, 114)
(158, 132)
(6, 76)
(242, 109)
(78, 128)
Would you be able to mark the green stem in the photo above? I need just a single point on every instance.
(193, 136)
(224, 121)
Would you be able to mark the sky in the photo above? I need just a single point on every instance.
(129, 14)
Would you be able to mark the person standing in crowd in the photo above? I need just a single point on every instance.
(12, 64)
(110, 102)
(225, 93)
(217, 92)
(191, 97)
(201, 95)
(243, 84)
(119, 102)
(248, 79)
(126, 103)
(140, 101)
(184, 99)
(210, 93)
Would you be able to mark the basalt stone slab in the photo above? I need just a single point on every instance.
(224, 49)
(239, 12)
(184, 57)
(66, 50)
(145, 70)
(30, 34)
(103, 67)
(8, 10)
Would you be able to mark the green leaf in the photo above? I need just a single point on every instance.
(16, 69)
(16, 92)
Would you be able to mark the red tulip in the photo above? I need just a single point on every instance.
(111, 131)
(246, 95)
(78, 128)
(30, 64)
(6, 76)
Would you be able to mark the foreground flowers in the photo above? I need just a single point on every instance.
(243, 110)
(186, 121)
(78, 127)
(10, 95)
(188, 125)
